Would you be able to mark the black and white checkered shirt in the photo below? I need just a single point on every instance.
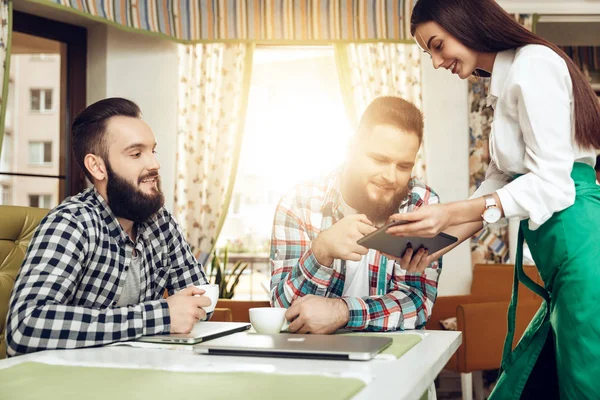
(66, 292)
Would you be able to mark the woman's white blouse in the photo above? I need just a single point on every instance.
(532, 135)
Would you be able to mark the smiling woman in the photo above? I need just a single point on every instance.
(545, 134)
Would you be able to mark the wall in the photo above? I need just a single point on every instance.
(144, 70)
(447, 153)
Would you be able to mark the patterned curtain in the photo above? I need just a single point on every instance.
(370, 70)
(491, 244)
(5, 32)
(192, 21)
(214, 81)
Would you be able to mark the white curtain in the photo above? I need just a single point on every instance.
(213, 92)
(370, 70)
(5, 27)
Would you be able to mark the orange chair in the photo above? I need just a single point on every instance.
(239, 308)
(481, 317)
(222, 315)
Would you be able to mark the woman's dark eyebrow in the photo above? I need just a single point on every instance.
(429, 42)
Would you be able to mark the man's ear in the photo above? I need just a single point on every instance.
(96, 166)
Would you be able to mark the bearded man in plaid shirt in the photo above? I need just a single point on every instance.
(325, 279)
(99, 263)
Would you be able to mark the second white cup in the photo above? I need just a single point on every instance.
(268, 320)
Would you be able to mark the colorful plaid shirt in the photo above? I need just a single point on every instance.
(397, 300)
(66, 292)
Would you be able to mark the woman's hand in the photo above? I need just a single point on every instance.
(427, 221)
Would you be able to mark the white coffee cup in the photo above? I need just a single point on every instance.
(268, 320)
(212, 292)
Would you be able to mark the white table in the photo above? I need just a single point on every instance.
(405, 378)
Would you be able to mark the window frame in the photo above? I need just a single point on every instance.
(72, 99)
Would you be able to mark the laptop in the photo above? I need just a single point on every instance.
(337, 347)
(202, 331)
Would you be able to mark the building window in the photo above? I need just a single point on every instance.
(41, 100)
(5, 195)
(43, 57)
(40, 153)
(40, 200)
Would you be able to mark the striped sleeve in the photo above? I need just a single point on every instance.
(295, 270)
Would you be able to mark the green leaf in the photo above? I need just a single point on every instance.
(237, 279)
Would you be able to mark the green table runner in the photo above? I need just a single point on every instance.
(401, 344)
(32, 380)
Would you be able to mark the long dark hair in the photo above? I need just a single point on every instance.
(483, 26)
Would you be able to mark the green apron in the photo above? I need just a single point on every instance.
(566, 251)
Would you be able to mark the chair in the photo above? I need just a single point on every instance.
(240, 308)
(17, 226)
(222, 315)
(481, 317)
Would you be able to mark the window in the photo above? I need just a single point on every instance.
(41, 100)
(40, 153)
(5, 194)
(303, 135)
(40, 200)
(42, 57)
(48, 73)
(273, 124)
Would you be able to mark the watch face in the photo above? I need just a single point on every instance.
(492, 215)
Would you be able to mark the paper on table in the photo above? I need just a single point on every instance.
(161, 346)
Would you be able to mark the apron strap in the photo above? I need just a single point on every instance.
(512, 307)
(519, 276)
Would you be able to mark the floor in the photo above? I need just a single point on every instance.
(448, 384)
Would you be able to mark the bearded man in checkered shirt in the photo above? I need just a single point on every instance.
(319, 273)
(98, 265)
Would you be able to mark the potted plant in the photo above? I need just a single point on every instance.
(221, 275)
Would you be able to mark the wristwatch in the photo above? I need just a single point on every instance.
(492, 213)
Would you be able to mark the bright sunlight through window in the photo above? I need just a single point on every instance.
(296, 129)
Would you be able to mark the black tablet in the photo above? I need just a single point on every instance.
(396, 245)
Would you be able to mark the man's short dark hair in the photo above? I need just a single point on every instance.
(395, 111)
(89, 128)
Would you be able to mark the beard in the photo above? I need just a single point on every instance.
(127, 201)
(376, 211)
